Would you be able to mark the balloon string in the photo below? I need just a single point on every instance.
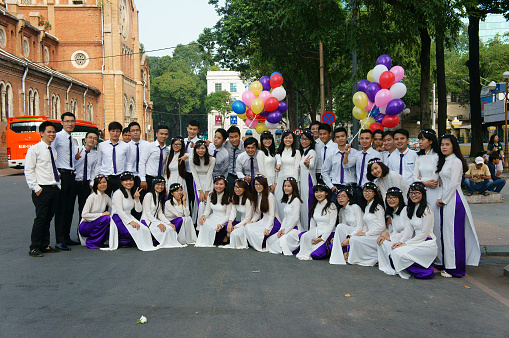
(362, 126)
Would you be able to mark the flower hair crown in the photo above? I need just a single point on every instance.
(200, 142)
(158, 180)
(126, 173)
(174, 187)
(417, 186)
(432, 132)
(394, 189)
(291, 179)
(371, 186)
(102, 176)
(219, 177)
(375, 160)
(288, 131)
(259, 175)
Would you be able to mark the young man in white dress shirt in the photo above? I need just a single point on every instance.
(219, 152)
(112, 157)
(403, 159)
(136, 146)
(64, 146)
(152, 161)
(126, 135)
(247, 167)
(360, 158)
(193, 128)
(389, 146)
(235, 146)
(335, 173)
(324, 148)
(378, 140)
(43, 179)
(86, 160)
(314, 130)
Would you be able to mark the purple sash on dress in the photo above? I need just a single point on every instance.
(197, 200)
(275, 229)
(124, 237)
(177, 222)
(154, 240)
(310, 192)
(323, 251)
(97, 232)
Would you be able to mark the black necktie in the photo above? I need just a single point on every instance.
(401, 163)
(324, 153)
(85, 163)
(137, 157)
(55, 172)
(70, 152)
(215, 153)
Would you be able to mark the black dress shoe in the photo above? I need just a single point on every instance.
(35, 253)
(62, 247)
(71, 242)
(49, 250)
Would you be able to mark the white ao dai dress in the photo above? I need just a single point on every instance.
(289, 168)
(306, 182)
(153, 216)
(321, 226)
(219, 216)
(363, 249)
(396, 229)
(391, 180)
(255, 232)
(187, 232)
(352, 221)
(202, 176)
(243, 212)
(174, 174)
(267, 166)
(289, 241)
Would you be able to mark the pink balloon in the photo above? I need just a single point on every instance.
(369, 106)
(398, 72)
(247, 97)
(264, 95)
(251, 123)
(383, 97)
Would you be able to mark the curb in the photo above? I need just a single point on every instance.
(495, 250)
(506, 271)
(11, 172)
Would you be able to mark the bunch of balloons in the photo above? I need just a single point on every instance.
(378, 101)
(262, 106)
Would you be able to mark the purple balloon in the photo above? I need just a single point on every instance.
(275, 116)
(362, 86)
(265, 81)
(385, 60)
(379, 118)
(395, 107)
(283, 107)
(265, 113)
(372, 89)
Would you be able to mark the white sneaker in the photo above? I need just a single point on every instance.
(443, 273)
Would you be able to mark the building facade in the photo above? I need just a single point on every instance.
(81, 56)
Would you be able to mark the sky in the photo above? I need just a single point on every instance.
(167, 23)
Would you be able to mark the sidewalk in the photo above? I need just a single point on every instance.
(491, 222)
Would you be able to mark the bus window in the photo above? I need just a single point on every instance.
(29, 127)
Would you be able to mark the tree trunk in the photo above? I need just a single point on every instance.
(441, 86)
(292, 108)
(425, 77)
(475, 85)
(328, 85)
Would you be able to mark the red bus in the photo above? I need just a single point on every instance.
(23, 132)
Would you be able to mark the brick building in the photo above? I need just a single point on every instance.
(72, 55)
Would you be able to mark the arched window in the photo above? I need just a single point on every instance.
(132, 109)
(127, 118)
(30, 102)
(74, 107)
(55, 106)
(8, 100)
(90, 112)
(3, 110)
(35, 102)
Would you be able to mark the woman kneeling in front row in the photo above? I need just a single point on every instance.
(314, 243)
(178, 213)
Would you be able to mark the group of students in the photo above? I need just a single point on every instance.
(401, 209)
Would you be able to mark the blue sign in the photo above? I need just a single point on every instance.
(233, 120)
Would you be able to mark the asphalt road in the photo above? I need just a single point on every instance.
(217, 292)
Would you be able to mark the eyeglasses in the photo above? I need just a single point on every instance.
(414, 193)
(391, 198)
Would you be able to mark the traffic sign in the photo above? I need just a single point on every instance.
(328, 117)
(297, 132)
(233, 120)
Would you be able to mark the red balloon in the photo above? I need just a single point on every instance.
(390, 121)
(271, 103)
(375, 125)
(249, 114)
(260, 118)
(387, 79)
(276, 81)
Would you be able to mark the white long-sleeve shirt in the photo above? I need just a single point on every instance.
(392, 179)
(243, 165)
(202, 174)
(105, 158)
(398, 225)
(407, 161)
(153, 213)
(122, 206)
(373, 222)
(362, 157)
(324, 222)
(218, 209)
(221, 166)
(143, 146)
(292, 216)
(91, 164)
(189, 149)
(64, 146)
(246, 212)
(289, 164)
(419, 229)
(450, 178)
(331, 170)
(95, 205)
(353, 216)
(270, 215)
(172, 211)
(319, 148)
(426, 167)
(38, 166)
(266, 166)
(150, 159)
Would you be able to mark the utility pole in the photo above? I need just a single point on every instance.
(355, 122)
(433, 112)
(322, 81)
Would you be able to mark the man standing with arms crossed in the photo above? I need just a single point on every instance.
(42, 178)
(64, 147)
(86, 160)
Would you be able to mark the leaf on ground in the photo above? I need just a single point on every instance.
(424, 301)
(255, 271)
(348, 295)
(466, 287)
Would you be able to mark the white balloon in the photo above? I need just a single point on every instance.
(377, 71)
(382, 109)
(398, 90)
(279, 93)
(270, 125)
(406, 111)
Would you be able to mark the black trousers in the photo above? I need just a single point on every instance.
(83, 191)
(231, 182)
(65, 209)
(45, 206)
(190, 189)
(319, 179)
(113, 184)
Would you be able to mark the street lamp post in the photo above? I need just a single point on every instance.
(506, 148)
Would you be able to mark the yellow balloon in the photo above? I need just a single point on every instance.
(261, 127)
(256, 87)
(370, 76)
(359, 113)
(360, 100)
(241, 116)
(366, 122)
(257, 106)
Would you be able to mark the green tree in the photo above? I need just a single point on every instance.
(221, 102)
